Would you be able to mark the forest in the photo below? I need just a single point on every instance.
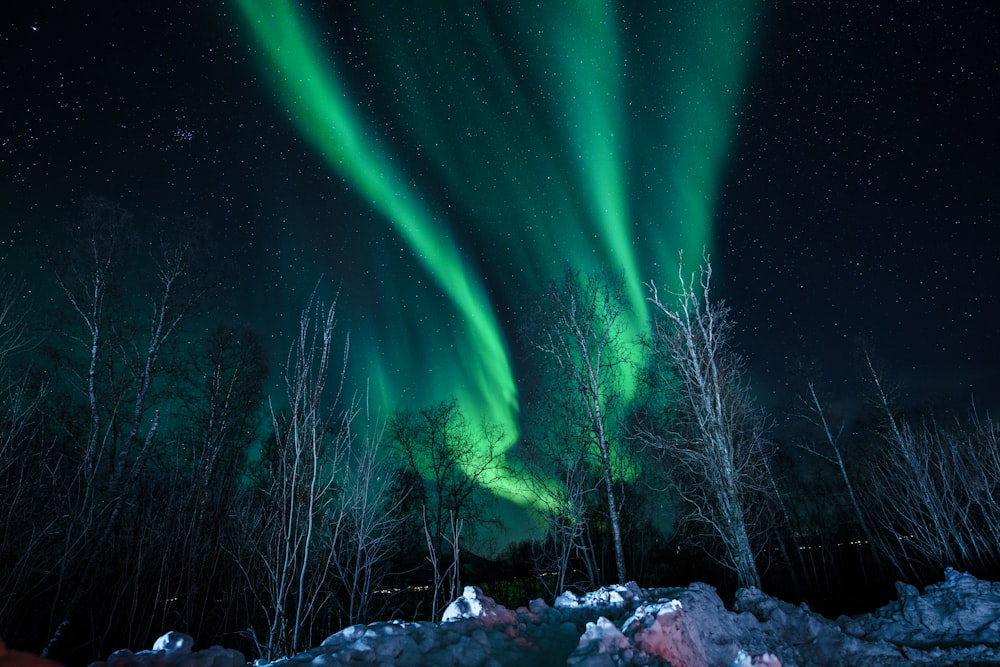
(160, 469)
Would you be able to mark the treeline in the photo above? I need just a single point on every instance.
(149, 482)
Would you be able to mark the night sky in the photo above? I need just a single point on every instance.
(838, 160)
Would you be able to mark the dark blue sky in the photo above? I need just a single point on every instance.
(862, 199)
(858, 198)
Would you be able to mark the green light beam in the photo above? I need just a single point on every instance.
(323, 114)
(718, 43)
(497, 161)
(589, 56)
(585, 131)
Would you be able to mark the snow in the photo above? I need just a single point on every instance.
(609, 596)
(955, 622)
(174, 642)
(473, 604)
(175, 649)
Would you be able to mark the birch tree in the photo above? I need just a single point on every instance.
(291, 557)
(716, 449)
(365, 524)
(815, 413)
(447, 462)
(935, 489)
(580, 330)
(121, 354)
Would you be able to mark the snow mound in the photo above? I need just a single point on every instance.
(474, 604)
(694, 629)
(175, 649)
(951, 623)
(956, 622)
(173, 641)
(609, 596)
(962, 610)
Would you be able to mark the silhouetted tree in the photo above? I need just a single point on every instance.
(364, 523)
(447, 462)
(290, 556)
(29, 521)
(579, 328)
(935, 487)
(219, 424)
(561, 476)
(119, 351)
(716, 449)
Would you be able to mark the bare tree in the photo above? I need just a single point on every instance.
(219, 424)
(447, 462)
(561, 476)
(935, 489)
(452, 458)
(17, 400)
(815, 413)
(96, 507)
(86, 280)
(364, 523)
(13, 330)
(291, 551)
(28, 521)
(716, 451)
(122, 368)
(579, 326)
(446, 578)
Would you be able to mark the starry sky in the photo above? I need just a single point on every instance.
(440, 162)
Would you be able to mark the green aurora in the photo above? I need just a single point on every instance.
(580, 132)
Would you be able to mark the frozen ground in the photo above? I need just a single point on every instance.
(956, 622)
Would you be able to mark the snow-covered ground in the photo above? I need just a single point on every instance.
(956, 622)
